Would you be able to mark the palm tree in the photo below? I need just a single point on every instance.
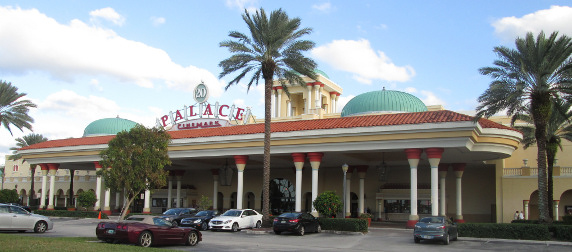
(559, 127)
(24, 141)
(13, 110)
(526, 80)
(273, 49)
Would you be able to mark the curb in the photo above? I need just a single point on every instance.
(270, 231)
(492, 240)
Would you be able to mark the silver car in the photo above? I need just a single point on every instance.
(16, 218)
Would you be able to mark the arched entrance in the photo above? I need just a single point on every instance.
(282, 196)
(565, 205)
(250, 200)
(533, 206)
(354, 204)
(233, 200)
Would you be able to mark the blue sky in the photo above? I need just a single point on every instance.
(80, 61)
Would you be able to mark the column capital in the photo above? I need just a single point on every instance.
(459, 166)
(315, 156)
(434, 152)
(298, 157)
(413, 153)
(53, 168)
(240, 159)
(443, 167)
(45, 169)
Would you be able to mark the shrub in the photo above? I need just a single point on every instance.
(338, 224)
(86, 199)
(205, 203)
(328, 204)
(562, 232)
(567, 219)
(9, 196)
(505, 231)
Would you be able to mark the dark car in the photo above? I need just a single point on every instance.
(200, 220)
(435, 228)
(296, 222)
(177, 214)
(147, 230)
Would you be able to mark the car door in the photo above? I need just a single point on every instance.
(5, 218)
(21, 218)
(308, 222)
(244, 220)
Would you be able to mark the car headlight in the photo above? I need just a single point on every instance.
(168, 218)
(227, 221)
(197, 221)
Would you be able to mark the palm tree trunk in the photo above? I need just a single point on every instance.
(70, 200)
(32, 192)
(266, 169)
(541, 108)
(550, 155)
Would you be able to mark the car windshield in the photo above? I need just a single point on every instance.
(162, 222)
(202, 213)
(431, 220)
(290, 215)
(232, 213)
(174, 211)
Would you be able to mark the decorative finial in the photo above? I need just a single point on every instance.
(383, 89)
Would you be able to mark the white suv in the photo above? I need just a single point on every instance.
(236, 219)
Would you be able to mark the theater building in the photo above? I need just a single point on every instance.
(396, 150)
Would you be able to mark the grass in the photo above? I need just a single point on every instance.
(19, 242)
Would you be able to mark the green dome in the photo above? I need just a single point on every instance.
(389, 101)
(108, 126)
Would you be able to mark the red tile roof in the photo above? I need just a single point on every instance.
(440, 116)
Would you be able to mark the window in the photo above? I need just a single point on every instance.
(403, 206)
(15, 168)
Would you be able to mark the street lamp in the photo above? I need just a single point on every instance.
(345, 170)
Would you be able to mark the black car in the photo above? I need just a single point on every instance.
(200, 220)
(297, 222)
(435, 228)
(177, 214)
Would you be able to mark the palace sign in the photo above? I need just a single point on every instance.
(203, 114)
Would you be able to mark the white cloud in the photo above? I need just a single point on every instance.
(242, 4)
(557, 18)
(427, 97)
(357, 57)
(324, 7)
(342, 101)
(94, 83)
(108, 14)
(158, 21)
(31, 41)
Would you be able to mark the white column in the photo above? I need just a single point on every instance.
(525, 202)
(459, 169)
(147, 202)
(315, 160)
(240, 165)
(215, 188)
(98, 191)
(361, 173)
(169, 191)
(178, 199)
(52, 188)
(442, 193)
(380, 209)
(348, 192)
(317, 96)
(309, 99)
(117, 197)
(44, 189)
(556, 203)
(332, 102)
(279, 102)
(106, 206)
(413, 156)
(434, 156)
(273, 103)
(289, 112)
(299, 159)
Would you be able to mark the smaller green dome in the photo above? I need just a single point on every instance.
(389, 101)
(108, 126)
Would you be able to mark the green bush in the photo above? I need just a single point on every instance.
(567, 219)
(75, 214)
(348, 224)
(562, 232)
(86, 199)
(505, 231)
(328, 204)
(9, 196)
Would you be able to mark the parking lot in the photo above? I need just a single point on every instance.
(378, 239)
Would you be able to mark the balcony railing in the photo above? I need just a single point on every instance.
(528, 171)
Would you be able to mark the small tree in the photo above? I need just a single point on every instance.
(86, 199)
(9, 196)
(328, 204)
(205, 203)
(135, 162)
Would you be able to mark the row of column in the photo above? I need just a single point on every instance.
(555, 205)
(438, 175)
(313, 94)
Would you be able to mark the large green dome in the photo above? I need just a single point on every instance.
(108, 126)
(383, 101)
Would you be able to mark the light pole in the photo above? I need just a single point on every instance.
(345, 170)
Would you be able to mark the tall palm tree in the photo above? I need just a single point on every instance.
(273, 49)
(559, 127)
(526, 80)
(24, 141)
(13, 110)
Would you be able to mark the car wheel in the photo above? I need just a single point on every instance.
(319, 229)
(277, 232)
(417, 240)
(193, 239)
(145, 239)
(235, 227)
(258, 224)
(446, 239)
(204, 227)
(301, 231)
(40, 227)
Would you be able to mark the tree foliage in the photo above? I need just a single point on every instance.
(22, 142)
(134, 161)
(9, 196)
(527, 80)
(273, 49)
(86, 199)
(13, 109)
(205, 203)
(328, 204)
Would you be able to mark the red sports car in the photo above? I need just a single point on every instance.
(146, 230)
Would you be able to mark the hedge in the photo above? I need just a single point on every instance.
(505, 231)
(338, 224)
(562, 232)
(77, 214)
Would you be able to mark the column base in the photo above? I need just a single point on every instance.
(108, 212)
(50, 208)
(146, 210)
(411, 224)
